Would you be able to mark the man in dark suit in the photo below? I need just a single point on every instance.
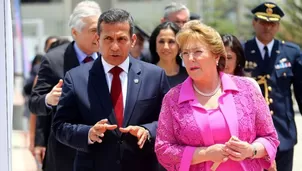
(109, 109)
(276, 65)
(46, 93)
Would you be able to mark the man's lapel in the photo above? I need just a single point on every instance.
(275, 52)
(133, 88)
(100, 89)
(70, 58)
(257, 57)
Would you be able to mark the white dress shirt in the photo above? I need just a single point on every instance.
(261, 47)
(123, 76)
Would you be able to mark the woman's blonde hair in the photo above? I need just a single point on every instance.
(198, 31)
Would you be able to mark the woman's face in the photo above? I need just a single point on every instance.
(166, 46)
(199, 61)
(230, 62)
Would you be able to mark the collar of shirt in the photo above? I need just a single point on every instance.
(261, 47)
(123, 76)
(81, 55)
(108, 67)
(187, 91)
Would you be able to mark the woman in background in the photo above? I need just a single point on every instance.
(165, 52)
(235, 59)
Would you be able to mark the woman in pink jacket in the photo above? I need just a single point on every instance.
(213, 119)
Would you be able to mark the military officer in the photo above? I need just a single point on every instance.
(276, 65)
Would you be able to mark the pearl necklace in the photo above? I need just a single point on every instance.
(208, 94)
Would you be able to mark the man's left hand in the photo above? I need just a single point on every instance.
(141, 133)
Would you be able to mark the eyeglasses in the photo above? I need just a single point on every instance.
(195, 54)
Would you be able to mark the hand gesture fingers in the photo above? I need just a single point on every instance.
(142, 136)
(98, 130)
(52, 98)
(129, 129)
(137, 131)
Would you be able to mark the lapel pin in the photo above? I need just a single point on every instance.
(253, 51)
(135, 80)
(277, 51)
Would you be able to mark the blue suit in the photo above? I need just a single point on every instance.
(275, 79)
(86, 100)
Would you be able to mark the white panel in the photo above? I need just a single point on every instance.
(6, 84)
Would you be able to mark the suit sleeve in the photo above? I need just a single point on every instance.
(43, 124)
(164, 88)
(297, 83)
(64, 127)
(46, 81)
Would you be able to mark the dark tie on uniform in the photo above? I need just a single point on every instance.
(117, 95)
(266, 57)
(88, 59)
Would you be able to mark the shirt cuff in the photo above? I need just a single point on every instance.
(47, 105)
(89, 141)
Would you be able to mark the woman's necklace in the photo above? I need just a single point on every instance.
(208, 94)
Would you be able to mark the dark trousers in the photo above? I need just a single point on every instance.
(284, 160)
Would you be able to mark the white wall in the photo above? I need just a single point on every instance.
(6, 86)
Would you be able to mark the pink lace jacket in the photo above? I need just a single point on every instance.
(182, 128)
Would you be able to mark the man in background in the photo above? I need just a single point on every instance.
(46, 93)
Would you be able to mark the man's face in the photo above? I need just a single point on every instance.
(87, 38)
(265, 31)
(116, 42)
(179, 18)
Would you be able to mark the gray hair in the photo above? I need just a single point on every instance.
(82, 10)
(114, 16)
(175, 7)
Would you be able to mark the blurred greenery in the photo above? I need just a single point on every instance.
(230, 16)
(291, 26)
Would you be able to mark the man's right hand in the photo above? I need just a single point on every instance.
(40, 153)
(52, 98)
(97, 131)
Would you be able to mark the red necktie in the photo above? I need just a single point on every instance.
(117, 95)
(88, 59)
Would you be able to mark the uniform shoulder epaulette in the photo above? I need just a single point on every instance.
(290, 44)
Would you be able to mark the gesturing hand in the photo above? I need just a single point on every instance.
(97, 131)
(52, 98)
(238, 150)
(141, 133)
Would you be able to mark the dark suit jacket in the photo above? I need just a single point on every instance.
(86, 100)
(53, 68)
(283, 70)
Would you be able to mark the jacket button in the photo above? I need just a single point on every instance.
(272, 112)
(284, 74)
(270, 100)
(269, 88)
(268, 76)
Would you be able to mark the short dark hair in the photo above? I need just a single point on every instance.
(232, 42)
(48, 39)
(57, 43)
(113, 16)
(152, 41)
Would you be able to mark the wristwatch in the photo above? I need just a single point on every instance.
(254, 151)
